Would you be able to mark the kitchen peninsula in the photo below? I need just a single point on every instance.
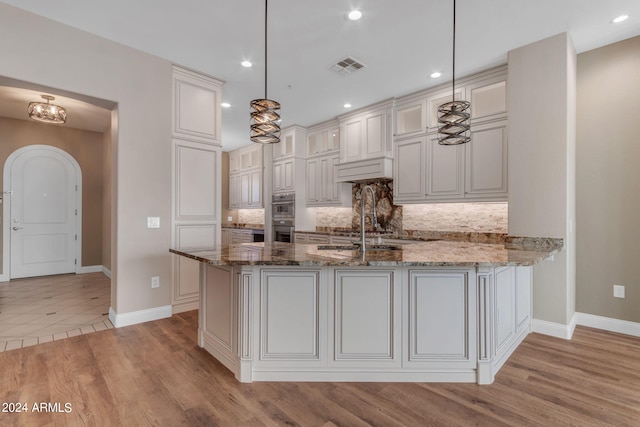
(425, 311)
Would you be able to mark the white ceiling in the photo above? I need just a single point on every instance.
(401, 43)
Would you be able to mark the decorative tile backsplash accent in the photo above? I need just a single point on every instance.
(251, 216)
(389, 215)
(452, 217)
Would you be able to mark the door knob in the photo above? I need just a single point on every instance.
(17, 228)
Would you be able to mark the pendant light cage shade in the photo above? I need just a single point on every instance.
(47, 112)
(454, 117)
(265, 121)
(453, 123)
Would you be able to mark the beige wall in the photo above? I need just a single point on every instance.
(541, 179)
(86, 148)
(608, 180)
(140, 84)
(107, 171)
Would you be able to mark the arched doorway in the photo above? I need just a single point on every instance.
(42, 212)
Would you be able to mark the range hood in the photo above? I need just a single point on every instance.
(363, 170)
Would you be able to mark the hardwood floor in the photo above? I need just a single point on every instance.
(154, 374)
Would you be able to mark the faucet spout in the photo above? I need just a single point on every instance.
(363, 214)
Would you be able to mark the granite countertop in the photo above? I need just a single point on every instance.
(418, 235)
(427, 254)
(243, 226)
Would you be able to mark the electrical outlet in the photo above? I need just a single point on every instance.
(155, 282)
(618, 291)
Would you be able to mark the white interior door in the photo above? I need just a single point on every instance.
(43, 214)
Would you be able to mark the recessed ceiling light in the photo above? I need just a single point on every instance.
(435, 75)
(354, 15)
(246, 64)
(225, 105)
(620, 19)
(347, 105)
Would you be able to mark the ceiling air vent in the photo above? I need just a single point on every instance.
(347, 66)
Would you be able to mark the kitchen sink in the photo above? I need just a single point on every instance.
(357, 247)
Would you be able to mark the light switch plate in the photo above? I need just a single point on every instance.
(153, 222)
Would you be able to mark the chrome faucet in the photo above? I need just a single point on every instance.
(363, 214)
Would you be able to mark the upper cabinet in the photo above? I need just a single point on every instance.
(323, 154)
(366, 144)
(366, 134)
(288, 159)
(245, 177)
(196, 107)
(425, 171)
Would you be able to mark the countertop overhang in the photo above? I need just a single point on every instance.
(440, 253)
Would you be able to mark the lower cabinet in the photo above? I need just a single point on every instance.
(366, 319)
(297, 323)
(441, 319)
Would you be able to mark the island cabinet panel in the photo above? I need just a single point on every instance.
(505, 311)
(436, 299)
(523, 299)
(290, 315)
(218, 315)
(366, 318)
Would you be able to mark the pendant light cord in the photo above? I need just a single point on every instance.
(266, 8)
(453, 88)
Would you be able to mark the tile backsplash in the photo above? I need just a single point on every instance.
(455, 217)
(251, 216)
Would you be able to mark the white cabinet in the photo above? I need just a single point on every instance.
(196, 107)
(283, 176)
(196, 185)
(311, 238)
(409, 166)
(322, 187)
(323, 138)
(288, 159)
(245, 177)
(486, 162)
(504, 315)
(425, 171)
(366, 334)
(366, 134)
(437, 298)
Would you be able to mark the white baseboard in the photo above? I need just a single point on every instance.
(134, 317)
(94, 269)
(608, 324)
(557, 330)
(89, 269)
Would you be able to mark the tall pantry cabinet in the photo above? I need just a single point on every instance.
(196, 193)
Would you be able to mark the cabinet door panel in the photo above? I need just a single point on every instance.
(364, 329)
(245, 189)
(436, 299)
(195, 182)
(312, 181)
(290, 315)
(505, 309)
(488, 99)
(445, 179)
(288, 175)
(409, 167)
(375, 136)
(277, 176)
(353, 140)
(487, 160)
(256, 188)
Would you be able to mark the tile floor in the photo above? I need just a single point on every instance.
(43, 309)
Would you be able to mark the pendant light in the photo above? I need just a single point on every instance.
(453, 117)
(47, 112)
(265, 120)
